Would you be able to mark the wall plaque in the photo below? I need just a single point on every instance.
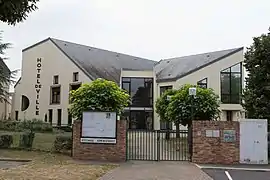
(99, 127)
(229, 136)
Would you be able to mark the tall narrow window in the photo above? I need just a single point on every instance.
(75, 76)
(69, 118)
(16, 115)
(59, 117)
(229, 115)
(50, 116)
(56, 79)
(231, 84)
(55, 95)
(202, 83)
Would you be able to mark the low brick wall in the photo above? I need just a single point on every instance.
(100, 152)
(214, 150)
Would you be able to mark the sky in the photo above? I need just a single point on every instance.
(153, 29)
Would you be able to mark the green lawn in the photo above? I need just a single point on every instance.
(42, 141)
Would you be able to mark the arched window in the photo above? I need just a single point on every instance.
(25, 103)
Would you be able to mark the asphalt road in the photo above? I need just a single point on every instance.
(219, 174)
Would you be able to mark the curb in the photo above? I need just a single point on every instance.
(234, 168)
(15, 160)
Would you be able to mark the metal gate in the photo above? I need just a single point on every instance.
(157, 145)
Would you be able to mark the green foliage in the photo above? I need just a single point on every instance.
(6, 140)
(162, 104)
(6, 76)
(14, 11)
(257, 92)
(26, 140)
(99, 95)
(179, 110)
(32, 125)
(62, 143)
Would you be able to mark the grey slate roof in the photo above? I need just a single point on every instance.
(99, 63)
(175, 68)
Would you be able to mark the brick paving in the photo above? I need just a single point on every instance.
(149, 170)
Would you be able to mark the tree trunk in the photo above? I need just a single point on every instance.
(177, 130)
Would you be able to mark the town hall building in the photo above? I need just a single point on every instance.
(52, 67)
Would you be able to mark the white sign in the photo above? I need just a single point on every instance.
(216, 133)
(99, 125)
(169, 98)
(192, 91)
(209, 133)
(98, 140)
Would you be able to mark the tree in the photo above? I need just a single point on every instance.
(14, 11)
(182, 107)
(100, 95)
(162, 104)
(161, 107)
(257, 91)
(5, 74)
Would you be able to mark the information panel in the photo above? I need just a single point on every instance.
(99, 127)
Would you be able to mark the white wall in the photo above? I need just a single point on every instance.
(54, 62)
(212, 73)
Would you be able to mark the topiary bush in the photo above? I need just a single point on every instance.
(26, 140)
(6, 141)
(62, 143)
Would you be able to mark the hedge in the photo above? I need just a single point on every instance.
(20, 126)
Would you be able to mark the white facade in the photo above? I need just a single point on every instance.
(53, 62)
(43, 61)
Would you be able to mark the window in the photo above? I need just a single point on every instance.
(59, 117)
(229, 115)
(55, 95)
(139, 119)
(75, 86)
(56, 79)
(16, 115)
(164, 88)
(202, 83)
(69, 118)
(75, 76)
(140, 90)
(231, 84)
(50, 116)
(25, 103)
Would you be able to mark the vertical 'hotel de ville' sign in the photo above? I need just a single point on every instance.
(38, 85)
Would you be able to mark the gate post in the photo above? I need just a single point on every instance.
(158, 145)
(190, 140)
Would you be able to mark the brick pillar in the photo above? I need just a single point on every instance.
(100, 152)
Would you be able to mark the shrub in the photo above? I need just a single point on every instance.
(6, 140)
(63, 143)
(99, 95)
(34, 125)
(8, 125)
(26, 140)
(64, 128)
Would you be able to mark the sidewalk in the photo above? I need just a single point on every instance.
(148, 170)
